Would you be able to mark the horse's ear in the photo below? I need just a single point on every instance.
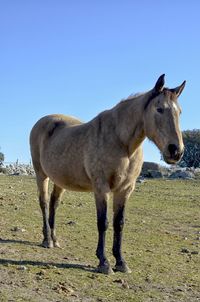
(178, 89)
(160, 83)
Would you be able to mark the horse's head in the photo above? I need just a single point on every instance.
(161, 120)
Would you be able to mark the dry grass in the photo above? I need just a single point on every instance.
(161, 246)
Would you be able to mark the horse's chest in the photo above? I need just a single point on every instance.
(120, 173)
(126, 172)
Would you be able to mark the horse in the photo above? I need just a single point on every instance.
(104, 156)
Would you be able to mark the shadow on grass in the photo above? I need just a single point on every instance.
(18, 241)
(39, 263)
(47, 264)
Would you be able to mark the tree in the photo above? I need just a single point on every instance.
(191, 157)
(1, 158)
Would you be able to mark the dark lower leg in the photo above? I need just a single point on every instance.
(52, 210)
(54, 201)
(102, 224)
(118, 224)
(46, 228)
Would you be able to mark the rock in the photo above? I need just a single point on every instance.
(19, 169)
(148, 279)
(155, 174)
(150, 166)
(185, 250)
(180, 289)
(41, 273)
(17, 229)
(23, 194)
(140, 180)
(62, 287)
(154, 170)
(71, 222)
(181, 174)
(194, 253)
(22, 268)
(123, 283)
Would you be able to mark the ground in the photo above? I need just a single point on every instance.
(161, 246)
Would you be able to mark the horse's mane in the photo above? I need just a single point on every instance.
(131, 97)
(151, 96)
(134, 95)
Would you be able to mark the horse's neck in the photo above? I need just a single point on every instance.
(129, 122)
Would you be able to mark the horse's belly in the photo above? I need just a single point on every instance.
(80, 187)
(74, 179)
(69, 184)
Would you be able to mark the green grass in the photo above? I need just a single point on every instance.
(162, 219)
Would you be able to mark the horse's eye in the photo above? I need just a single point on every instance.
(160, 110)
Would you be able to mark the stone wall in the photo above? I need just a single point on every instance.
(153, 170)
(149, 170)
(17, 169)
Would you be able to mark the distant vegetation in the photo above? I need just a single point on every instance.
(2, 157)
(191, 157)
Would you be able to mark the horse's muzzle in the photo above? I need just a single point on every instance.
(173, 154)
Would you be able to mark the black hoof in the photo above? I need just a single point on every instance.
(123, 268)
(47, 244)
(105, 269)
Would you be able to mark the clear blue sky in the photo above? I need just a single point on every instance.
(81, 57)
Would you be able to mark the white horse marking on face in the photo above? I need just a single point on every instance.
(175, 106)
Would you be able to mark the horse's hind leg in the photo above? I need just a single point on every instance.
(54, 201)
(42, 183)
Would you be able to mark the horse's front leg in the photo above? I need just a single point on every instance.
(102, 224)
(119, 201)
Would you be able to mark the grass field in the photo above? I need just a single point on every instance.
(161, 246)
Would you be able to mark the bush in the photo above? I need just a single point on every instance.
(191, 157)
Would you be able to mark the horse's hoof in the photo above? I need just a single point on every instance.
(56, 244)
(47, 244)
(105, 269)
(123, 268)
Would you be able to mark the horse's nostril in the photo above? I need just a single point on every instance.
(173, 150)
